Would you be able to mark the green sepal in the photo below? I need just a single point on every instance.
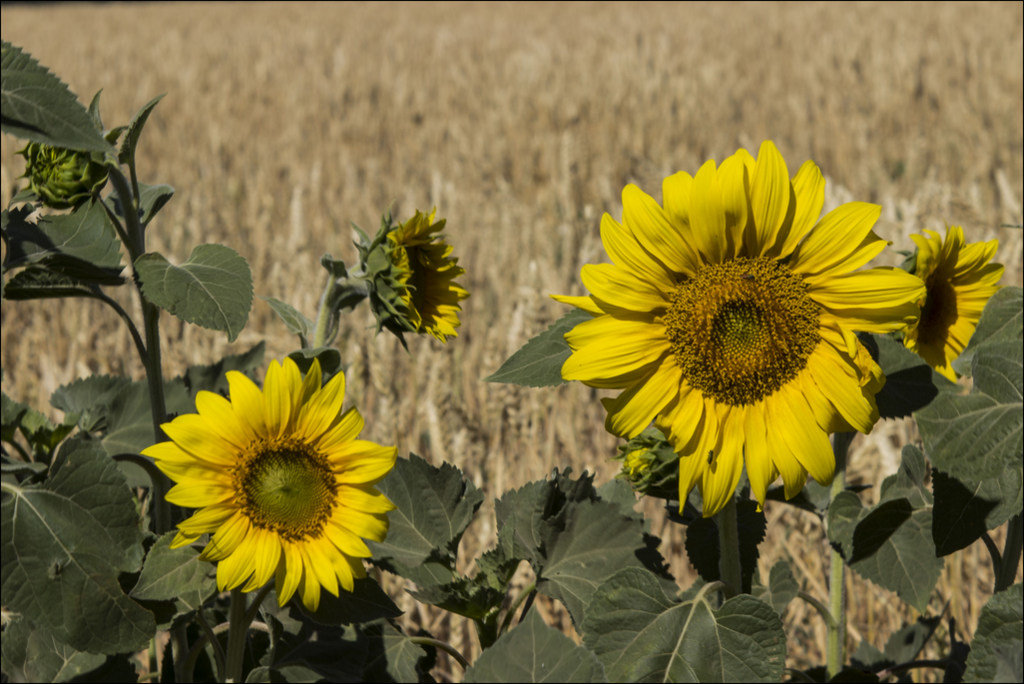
(126, 155)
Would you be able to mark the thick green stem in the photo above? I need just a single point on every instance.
(836, 643)
(238, 630)
(1006, 571)
(136, 245)
(730, 571)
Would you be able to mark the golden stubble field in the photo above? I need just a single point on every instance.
(521, 123)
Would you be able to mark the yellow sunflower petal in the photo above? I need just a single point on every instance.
(218, 414)
(247, 400)
(318, 557)
(322, 409)
(841, 242)
(196, 494)
(227, 538)
(348, 427)
(675, 197)
(365, 498)
(770, 192)
(347, 541)
(368, 526)
(362, 462)
(723, 473)
(836, 379)
(208, 519)
(289, 573)
(194, 434)
(237, 567)
(809, 193)
(881, 288)
(607, 346)
(760, 471)
(707, 214)
(809, 443)
(585, 303)
(624, 250)
(620, 288)
(633, 410)
(266, 554)
(655, 231)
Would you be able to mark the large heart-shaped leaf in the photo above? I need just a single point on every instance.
(641, 634)
(212, 289)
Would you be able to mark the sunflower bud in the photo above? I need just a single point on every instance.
(649, 464)
(63, 178)
(410, 273)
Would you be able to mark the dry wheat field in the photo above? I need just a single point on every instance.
(521, 123)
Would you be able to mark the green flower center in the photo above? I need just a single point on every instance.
(742, 329)
(287, 487)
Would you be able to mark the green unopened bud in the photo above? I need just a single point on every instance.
(650, 465)
(63, 178)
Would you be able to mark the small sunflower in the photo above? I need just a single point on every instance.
(728, 316)
(411, 274)
(959, 281)
(281, 482)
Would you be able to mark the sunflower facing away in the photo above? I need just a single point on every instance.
(727, 317)
(427, 274)
(959, 280)
(281, 482)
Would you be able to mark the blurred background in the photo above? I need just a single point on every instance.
(521, 123)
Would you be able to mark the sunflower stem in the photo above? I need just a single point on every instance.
(836, 644)
(238, 630)
(442, 646)
(730, 571)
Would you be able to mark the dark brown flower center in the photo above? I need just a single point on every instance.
(742, 329)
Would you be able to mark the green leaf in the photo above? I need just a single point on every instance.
(39, 282)
(891, 543)
(595, 542)
(534, 652)
(702, 543)
(175, 574)
(996, 650)
(127, 153)
(472, 598)
(64, 545)
(292, 318)
(89, 398)
(38, 106)
(328, 357)
(910, 383)
(394, 656)
(212, 289)
(129, 419)
(782, 587)
(152, 199)
(975, 441)
(213, 377)
(31, 655)
(365, 603)
(82, 245)
(434, 506)
(641, 633)
(1000, 323)
(539, 362)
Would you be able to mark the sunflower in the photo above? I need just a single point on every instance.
(728, 316)
(410, 277)
(281, 482)
(959, 280)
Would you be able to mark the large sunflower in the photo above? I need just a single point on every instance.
(959, 280)
(426, 276)
(281, 482)
(728, 315)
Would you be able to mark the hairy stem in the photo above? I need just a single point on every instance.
(836, 642)
(730, 571)
(238, 630)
